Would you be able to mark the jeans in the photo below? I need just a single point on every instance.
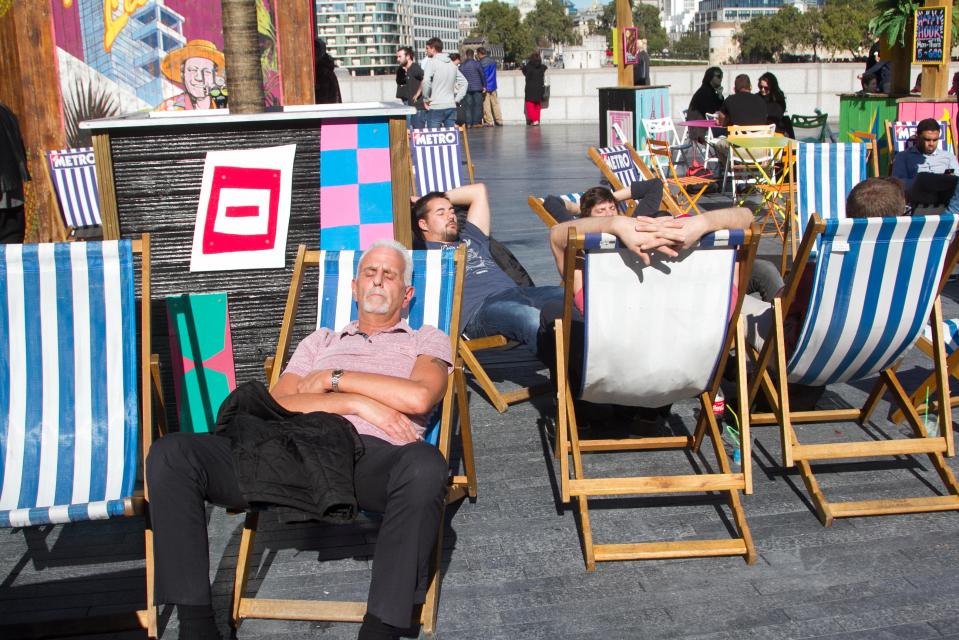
(440, 118)
(418, 119)
(514, 313)
(474, 107)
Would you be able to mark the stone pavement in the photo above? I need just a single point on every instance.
(513, 567)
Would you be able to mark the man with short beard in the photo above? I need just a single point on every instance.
(376, 375)
(409, 76)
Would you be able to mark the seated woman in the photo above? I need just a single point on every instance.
(648, 195)
(769, 91)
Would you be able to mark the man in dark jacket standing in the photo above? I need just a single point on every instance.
(376, 375)
(472, 70)
(409, 77)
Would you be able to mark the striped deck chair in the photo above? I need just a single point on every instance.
(925, 397)
(536, 204)
(622, 166)
(658, 297)
(75, 394)
(876, 283)
(825, 173)
(74, 180)
(436, 166)
(437, 158)
(438, 280)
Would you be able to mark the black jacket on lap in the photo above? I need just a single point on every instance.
(300, 462)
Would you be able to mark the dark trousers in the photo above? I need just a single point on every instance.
(407, 484)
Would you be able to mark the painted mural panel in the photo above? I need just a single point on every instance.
(118, 56)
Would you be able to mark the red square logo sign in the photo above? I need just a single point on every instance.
(243, 213)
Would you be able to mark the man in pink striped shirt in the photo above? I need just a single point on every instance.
(381, 376)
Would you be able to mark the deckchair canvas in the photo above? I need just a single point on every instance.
(74, 181)
(825, 173)
(876, 283)
(438, 279)
(437, 158)
(660, 299)
(75, 405)
(622, 166)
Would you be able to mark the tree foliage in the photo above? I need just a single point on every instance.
(549, 24)
(844, 26)
(645, 17)
(691, 46)
(500, 23)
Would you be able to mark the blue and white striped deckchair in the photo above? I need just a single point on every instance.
(437, 157)
(536, 204)
(929, 388)
(825, 174)
(71, 427)
(437, 279)
(622, 166)
(685, 315)
(74, 178)
(874, 287)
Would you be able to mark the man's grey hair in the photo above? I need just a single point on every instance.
(400, 249)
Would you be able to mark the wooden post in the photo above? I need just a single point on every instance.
(294, 37)
(30, 86)
(624, 18)
(241, 46)
(402, 183)
(935, 77)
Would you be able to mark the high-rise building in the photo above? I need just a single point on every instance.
(732, 11)
(363, 36)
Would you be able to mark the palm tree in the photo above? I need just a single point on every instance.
(241, 46)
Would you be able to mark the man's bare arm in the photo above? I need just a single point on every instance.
(695, 227)
(637, 234)
(476, 198)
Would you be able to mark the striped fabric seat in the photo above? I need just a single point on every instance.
(75, 183)
(703, 281)
(69, 419)
(950, 329)
(620, 162)
(903, 134)
(825, 174)
(432, 304)
(874, 284)
(437, 160)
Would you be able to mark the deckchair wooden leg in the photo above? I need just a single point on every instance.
(466, 430)
(783, 413)
(151, 610)
(942, 378)
(875, 395)
(705, 412)
(586, 531)
(247, 539)
(430, 605)
(482, 379)
(745, 443)
(732, 496)
(562, 388)
(823, 512)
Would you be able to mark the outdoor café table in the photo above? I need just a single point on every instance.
(776, 189)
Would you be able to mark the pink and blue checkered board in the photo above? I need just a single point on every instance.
(356, 188)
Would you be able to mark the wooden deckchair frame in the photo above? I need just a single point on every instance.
(663, 149)
(770, 374)
(872, 144)
(643, 168)
(569, 444)
(929, 385)
(536, 204)
(136, 504)
(460, 486)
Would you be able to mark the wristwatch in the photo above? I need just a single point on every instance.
(335, 380)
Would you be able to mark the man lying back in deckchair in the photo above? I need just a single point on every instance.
(648, 195)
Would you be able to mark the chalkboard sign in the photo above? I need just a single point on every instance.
(931, 42)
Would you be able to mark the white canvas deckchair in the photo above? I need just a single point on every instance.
(694, 299)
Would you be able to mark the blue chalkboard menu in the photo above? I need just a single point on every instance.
(931, 42)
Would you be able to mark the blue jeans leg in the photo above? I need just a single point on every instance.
(514, 313)
(419, 119)
(440, 118)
